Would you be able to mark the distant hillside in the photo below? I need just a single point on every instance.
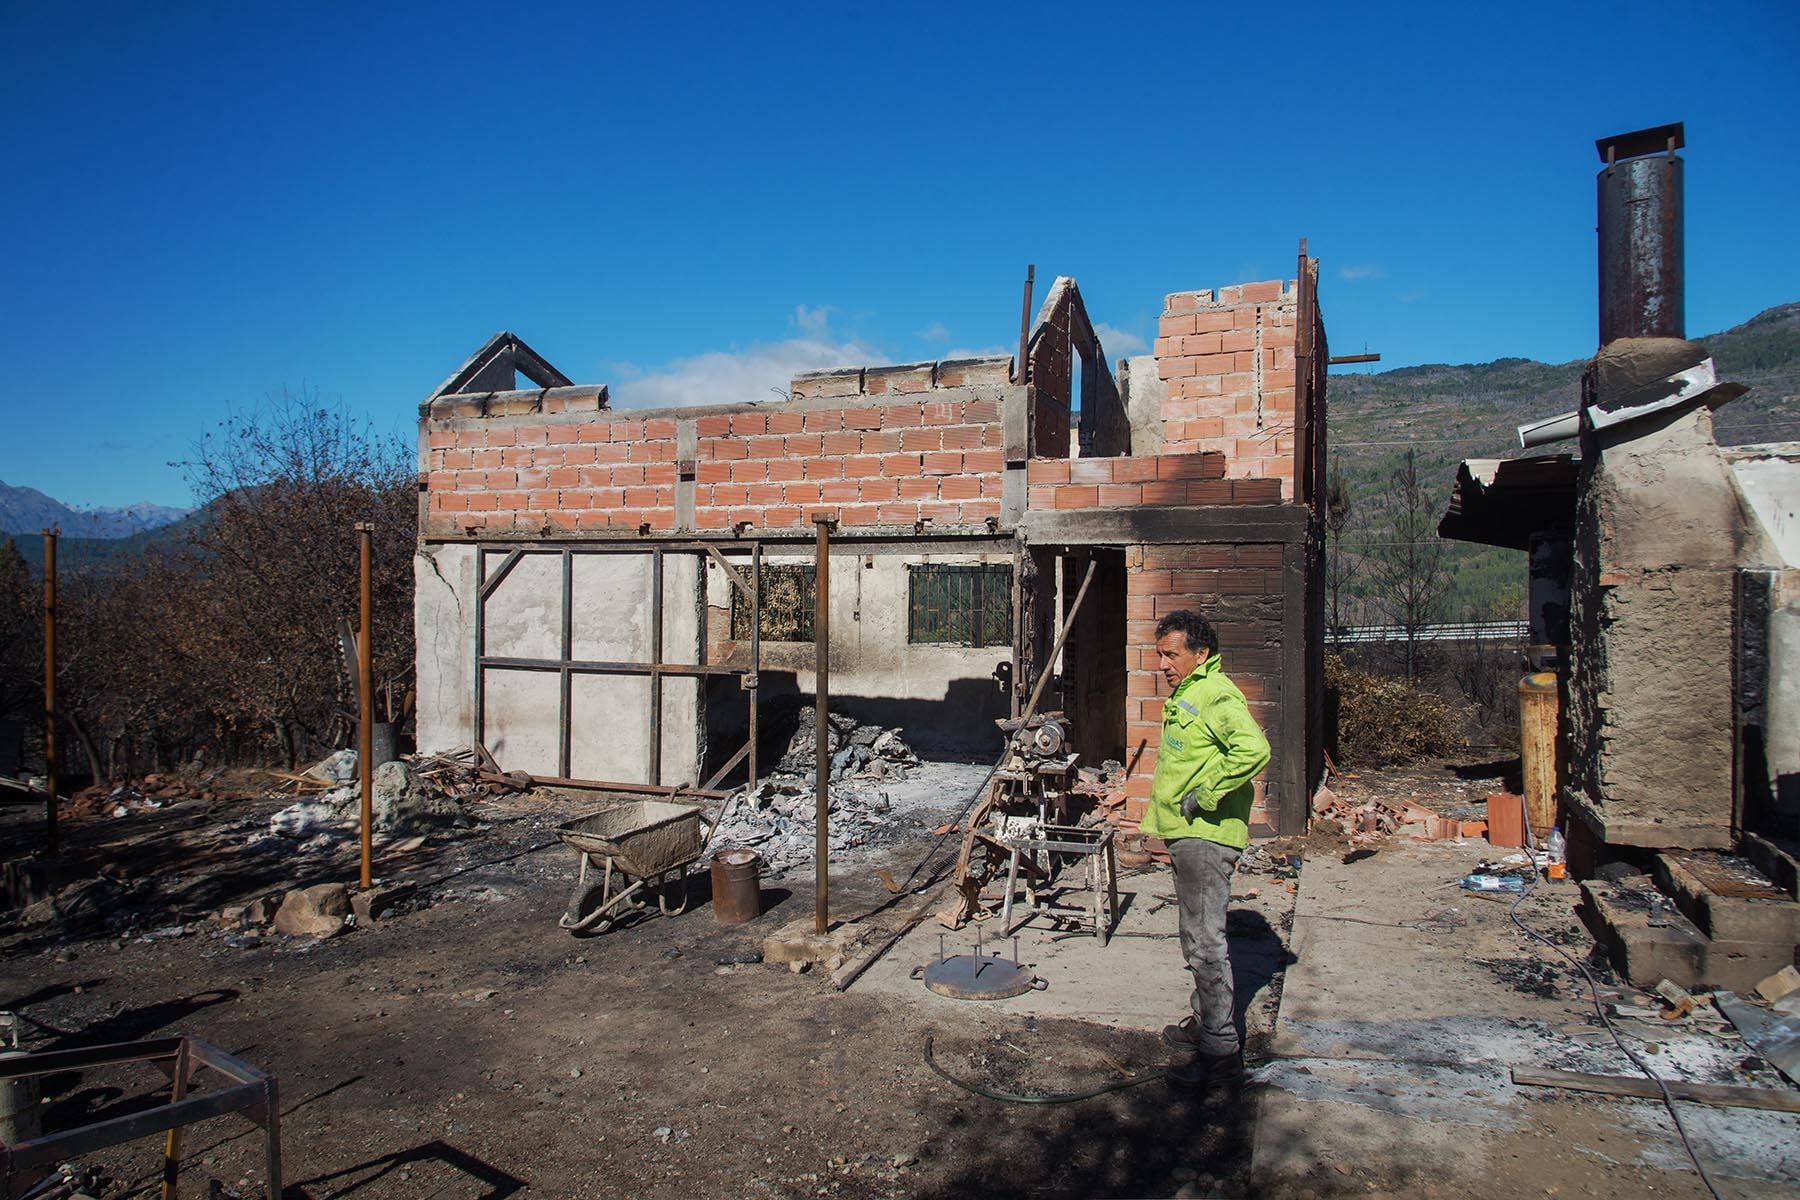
(74, 553)
(1448, 413)
(25, 510)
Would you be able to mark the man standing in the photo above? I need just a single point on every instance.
(1200, 805)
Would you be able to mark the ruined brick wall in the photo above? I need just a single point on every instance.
(1239, 589)
(1238, 586)
(871, 447)
(1226, 356)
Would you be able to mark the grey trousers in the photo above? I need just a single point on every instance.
(1202, 891)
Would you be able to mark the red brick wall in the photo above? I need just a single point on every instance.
(1236, 587)
(881, 464)
(1167, 479)
(909, 444)
(1227, 356)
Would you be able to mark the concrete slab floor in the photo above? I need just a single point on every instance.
(1406, 1006)
(1135, 982)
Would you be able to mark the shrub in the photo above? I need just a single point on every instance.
(1382, 721)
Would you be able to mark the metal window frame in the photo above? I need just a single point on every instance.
(567, 666)
(986, 580)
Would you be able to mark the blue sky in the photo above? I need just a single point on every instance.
(210, 203)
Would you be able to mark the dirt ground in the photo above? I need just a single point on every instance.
(471, 1048)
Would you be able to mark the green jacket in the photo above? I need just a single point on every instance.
(1211, 746)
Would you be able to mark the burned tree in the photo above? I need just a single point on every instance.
(1406, 561)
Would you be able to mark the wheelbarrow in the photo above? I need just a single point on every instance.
(635, 846)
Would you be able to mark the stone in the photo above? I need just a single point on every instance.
(379, 902)
(404, 803)
(1781, 984)
(1750, 909)
(796, 942)
(339, 767)
(317, 911)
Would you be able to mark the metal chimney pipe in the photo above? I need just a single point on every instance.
(1640, 202)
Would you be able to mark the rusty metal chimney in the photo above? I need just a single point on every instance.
(1641, 285)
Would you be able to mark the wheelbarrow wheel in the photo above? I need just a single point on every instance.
(580, 919)
(676, 882)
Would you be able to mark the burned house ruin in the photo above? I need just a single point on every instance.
(615, 598)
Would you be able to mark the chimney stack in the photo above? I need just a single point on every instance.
(1641, 285)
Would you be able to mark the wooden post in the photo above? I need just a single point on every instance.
(1539, 704)
(365, 699)
(50, 837)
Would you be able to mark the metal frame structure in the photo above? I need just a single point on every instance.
(253, 1095)
(567, 666)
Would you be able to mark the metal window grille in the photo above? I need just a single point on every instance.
(959, 605)
(790, 597)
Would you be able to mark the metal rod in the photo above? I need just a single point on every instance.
(656, 669)
(496, 662)
(365, 708)
(822, 726)
(755, 650)
(1025, 322)
(565, 701)
(1056, 650)
(478, 713)
(50, 690)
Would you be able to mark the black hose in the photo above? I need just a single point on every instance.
(1050, 1098)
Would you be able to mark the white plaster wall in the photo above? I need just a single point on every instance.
(610, 621)
(1770, 484)
(443, 626)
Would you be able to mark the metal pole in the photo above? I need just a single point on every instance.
(365, 688)
(1025, 321)
(822, 727)
(50, 690)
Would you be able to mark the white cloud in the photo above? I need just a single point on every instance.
(759, 372)
(934, 332)
(1117, 341)
(1360, 271)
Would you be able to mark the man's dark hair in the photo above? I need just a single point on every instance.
(1191, 625)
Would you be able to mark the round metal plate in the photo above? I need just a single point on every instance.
(977, 977)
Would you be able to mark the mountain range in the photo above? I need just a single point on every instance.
(25, 510)
(1444, 414)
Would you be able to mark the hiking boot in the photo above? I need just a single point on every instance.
(1206, 1071)
(1183, 1035)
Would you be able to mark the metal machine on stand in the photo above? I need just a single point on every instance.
(1037, 821)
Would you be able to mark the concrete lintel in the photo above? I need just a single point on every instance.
(880, 540)
(1152, 525)
(799, 404)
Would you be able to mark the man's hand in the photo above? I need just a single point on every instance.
(1190, 807)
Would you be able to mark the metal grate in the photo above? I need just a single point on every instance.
(790, 597)
(959, 605)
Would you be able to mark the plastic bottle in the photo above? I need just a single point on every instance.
(1555, 847)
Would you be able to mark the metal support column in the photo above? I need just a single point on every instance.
(365, 696)
(822, 727)
(50, 690)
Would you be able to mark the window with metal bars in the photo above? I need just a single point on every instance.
(959, 605)
(790, 597)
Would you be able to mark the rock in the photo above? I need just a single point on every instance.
(404, 803)
(904, 1160)
(305, 819)
(339, 767)
(380, 902)
(261, 910)
(317, 911)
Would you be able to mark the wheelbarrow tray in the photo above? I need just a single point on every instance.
(643, 838)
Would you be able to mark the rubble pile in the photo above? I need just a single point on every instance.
(407, 799)
(776, 818)
(1377, 820)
